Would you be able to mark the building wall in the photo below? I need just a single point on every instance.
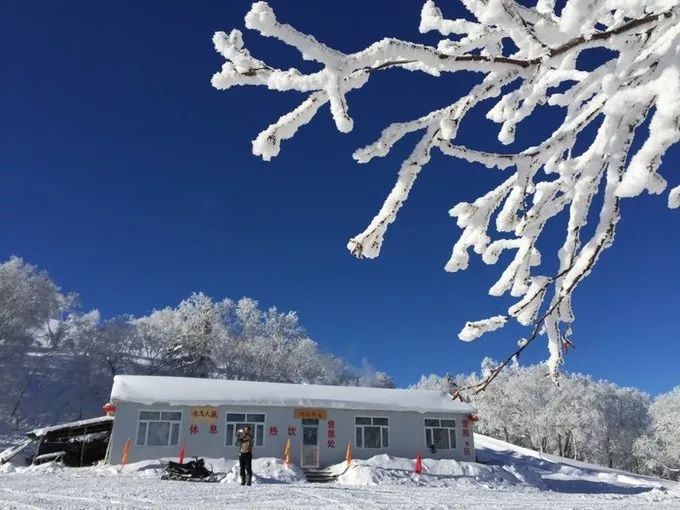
(406, 434)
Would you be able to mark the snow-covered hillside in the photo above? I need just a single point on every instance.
(506, 477)
(553, 473)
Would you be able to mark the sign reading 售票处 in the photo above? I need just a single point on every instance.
(319, 414)
(204, 414)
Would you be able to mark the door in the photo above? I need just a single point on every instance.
(310, 443)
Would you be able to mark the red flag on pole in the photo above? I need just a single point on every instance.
(182, 450)
(419, 463)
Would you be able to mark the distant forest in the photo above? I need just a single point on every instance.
(57, 361)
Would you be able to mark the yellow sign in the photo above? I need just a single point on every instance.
(319, 414)
(205, 414)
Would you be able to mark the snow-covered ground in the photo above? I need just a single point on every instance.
(506, 477)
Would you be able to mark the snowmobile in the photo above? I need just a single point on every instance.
(192, 471)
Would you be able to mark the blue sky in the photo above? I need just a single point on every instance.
(128, 178)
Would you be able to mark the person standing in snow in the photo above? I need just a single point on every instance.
(245, 455)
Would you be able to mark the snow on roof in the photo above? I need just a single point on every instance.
(74, 424)
(189, 391)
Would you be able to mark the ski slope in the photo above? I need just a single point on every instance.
(507, 476)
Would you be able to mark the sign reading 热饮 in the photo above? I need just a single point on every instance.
(206, 414)
(318, 414)
(331, 434)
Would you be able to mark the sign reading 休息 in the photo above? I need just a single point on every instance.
(319, 414)
(204, 414)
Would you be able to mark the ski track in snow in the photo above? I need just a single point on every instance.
(81, 488)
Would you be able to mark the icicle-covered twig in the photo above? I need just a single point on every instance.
(641, 78)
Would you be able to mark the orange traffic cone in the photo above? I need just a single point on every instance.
(419, 463)
(182, 451)
(348, 452)
(286, 452)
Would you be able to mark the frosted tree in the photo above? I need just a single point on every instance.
(660, 447)
(368, 376)
(202, 337)
(528, 59)
(57, 362)
(116, 348)
(29, 302)
(594, 421)
(269, 345)
(181, 341)
(626, 415)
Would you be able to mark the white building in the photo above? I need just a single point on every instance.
(160, 414)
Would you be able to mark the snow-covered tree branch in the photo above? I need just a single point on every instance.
(640, 80)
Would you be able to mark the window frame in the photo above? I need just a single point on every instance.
(453, 434)
(159, 420)
(363, 437)
(253, 426)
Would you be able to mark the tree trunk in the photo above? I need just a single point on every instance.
(13, 418)
(559, 445)
(568, 448)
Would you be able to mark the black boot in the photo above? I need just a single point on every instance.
(249, 480)
(243, 481)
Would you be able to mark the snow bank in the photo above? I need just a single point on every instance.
(41, 469)
(385, 469)
(268, 470)
(504, 466)
(551, 472)
(265, 470)
(501, 467)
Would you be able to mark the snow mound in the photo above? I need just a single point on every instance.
(504, 466)
(7, 468)
(265, 470)
(40, 469)
(385, 469)
(268, 470)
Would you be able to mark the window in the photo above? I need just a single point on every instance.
(440, 434)
(371, 432)
(237, 421)
(158, 428)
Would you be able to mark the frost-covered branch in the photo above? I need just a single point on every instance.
(640, 81)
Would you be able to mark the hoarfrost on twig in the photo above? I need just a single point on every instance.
(641, 78)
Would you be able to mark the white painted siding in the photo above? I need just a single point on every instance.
(406, 434)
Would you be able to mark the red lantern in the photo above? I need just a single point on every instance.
(473, 417)
(109, 409)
